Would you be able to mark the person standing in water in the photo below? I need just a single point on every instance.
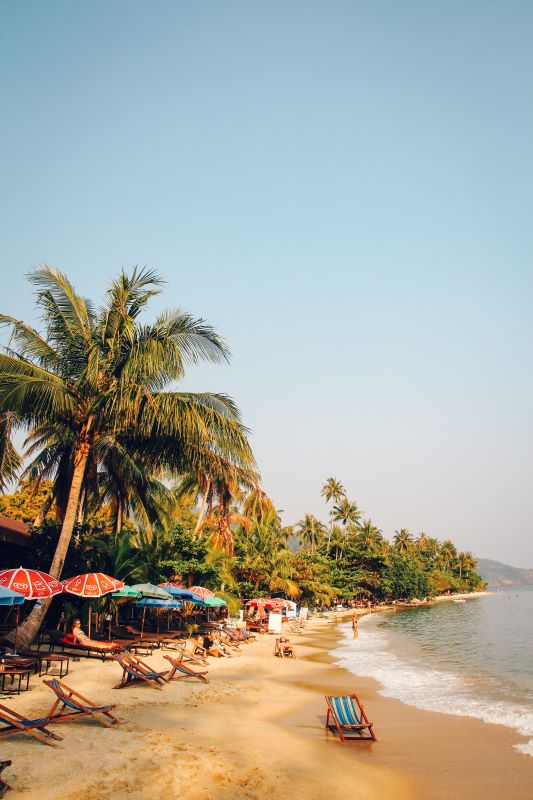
(354, 625)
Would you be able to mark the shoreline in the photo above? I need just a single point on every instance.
(257, 730)
(443, 755)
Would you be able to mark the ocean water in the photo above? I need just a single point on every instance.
(471, 659)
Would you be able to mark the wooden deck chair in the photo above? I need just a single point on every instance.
(3, 785)
(186, 672)
(136, 671)
(349, 718)
(11, 722)
(185, 655)
(73, 705)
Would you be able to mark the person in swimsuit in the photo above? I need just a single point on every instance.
(82, 639)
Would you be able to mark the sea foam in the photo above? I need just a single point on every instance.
(423, 687)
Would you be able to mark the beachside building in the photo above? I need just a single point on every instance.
(14, 542)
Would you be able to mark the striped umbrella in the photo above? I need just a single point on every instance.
(91, 584)
(32, 583)
(201, 592)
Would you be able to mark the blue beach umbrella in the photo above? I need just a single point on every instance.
(10, 598)
(154, 602)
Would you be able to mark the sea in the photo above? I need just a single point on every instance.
(473, 659)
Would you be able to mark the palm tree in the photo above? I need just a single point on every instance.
(465, 561)
(403, 540)
(104, 377)
(446, 555)
(345, 511)
(332, 491)
(311, 531)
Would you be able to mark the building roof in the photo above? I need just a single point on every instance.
(14, 531)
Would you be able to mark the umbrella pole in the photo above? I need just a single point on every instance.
(89, 626)
(142, 623)
(16, 631)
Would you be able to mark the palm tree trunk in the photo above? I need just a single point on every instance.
(118, 521)
(45, 508)
(30, 627)
(201, 515)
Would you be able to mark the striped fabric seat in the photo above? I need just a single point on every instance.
(348, 718)
(71, 705)
(345, 711)
(54, 685)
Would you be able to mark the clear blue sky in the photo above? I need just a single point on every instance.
(343, 188)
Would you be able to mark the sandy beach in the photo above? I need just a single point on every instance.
(257, 730)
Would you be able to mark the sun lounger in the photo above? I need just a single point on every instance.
(73, 705)
(3, 785)
(136, 671)
(185, 672)
(56, 640)
(349, 718)
(12, 722)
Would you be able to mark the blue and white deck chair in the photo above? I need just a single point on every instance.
(348, 718)
(73, 705)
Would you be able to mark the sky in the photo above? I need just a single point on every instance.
(343, 189)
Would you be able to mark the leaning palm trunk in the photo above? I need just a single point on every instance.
(203, 508)
(45, 508)
(30, 627)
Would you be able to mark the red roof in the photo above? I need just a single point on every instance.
(14, 531)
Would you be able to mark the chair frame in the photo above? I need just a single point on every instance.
(16, 723)
(136, 671)
(187, 672)
(345, 730)
(86, 707)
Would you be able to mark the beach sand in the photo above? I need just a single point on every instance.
(257, 731)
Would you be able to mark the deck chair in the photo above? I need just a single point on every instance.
(136, 671)
(186, 672)
(11, 722)
(73, 705)
(349, 718)
(3, 785)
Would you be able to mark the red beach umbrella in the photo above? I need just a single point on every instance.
(91, 584)
(32, 583)
(201, 592)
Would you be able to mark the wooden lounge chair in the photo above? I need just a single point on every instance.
(185, 655)
(73, 705)
(136, 671)
(56, 640)
(349, 718)
(186, 672)
(12, 722)
(3, 785)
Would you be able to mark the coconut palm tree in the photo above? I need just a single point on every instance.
(107, 378)
(311, 532)
(403, 540)
(332, 491)
(345, 511)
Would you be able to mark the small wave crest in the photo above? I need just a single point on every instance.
(423, 687)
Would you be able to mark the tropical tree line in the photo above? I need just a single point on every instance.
(124, 473)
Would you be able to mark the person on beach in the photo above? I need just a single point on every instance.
(82, 639)
(284, 648)
(355, 627)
